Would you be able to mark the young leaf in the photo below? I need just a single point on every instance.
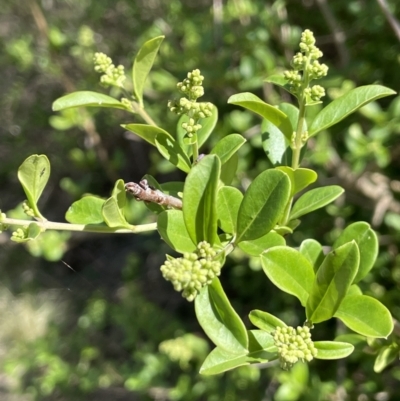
(332, 282)
(257, 246)
(171, 151)
(265, 321)
(273, 114)
(29, 233)
(228, 203)
(227, 146)
(386, 356)
(142, 65)
(33, 175)
(113, 215)
(279, 80)
(347, 104)
(365, 315)
(315, 199)
(87, 210)
(173, 231)
(275, 145)
(263, 204)
(312, 250)
(289, 270)
(207, 127)
(261, 350)
(367, 242)
(86, 99)
(219, 320)
(332, 349)
(147, 132)
(119, 194)
(299, 178)
(200, 200)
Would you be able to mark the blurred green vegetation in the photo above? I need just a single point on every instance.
(88, 316)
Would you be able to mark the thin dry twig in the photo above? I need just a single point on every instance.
(143, 192)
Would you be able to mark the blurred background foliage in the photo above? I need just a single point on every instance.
(88, 317)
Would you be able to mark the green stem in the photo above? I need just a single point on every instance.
(195, 150)
(143, 113)
(93, 228)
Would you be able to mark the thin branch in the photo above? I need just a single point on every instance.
(393, 22)
(143, 192)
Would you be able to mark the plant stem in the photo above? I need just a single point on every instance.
(195, 150)
(93, 228)
(143, 113)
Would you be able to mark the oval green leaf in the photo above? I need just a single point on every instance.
(200, 200)
(113, 215)
(147, 132)
(365, 315)
(265, 321)
(332, 282)
(257, 246)
(228, 203)
(228, 170)
(386, 356)
(332, 349)
(173, 231)
(227, 146)
(275, 145)
(33, 175)
(299, 178)
(367, 242)
(348, 103)
(315, 199)
(219, 320)
(312, 250)
(142, 65)
(171, 151)
(86, 99)
(263, 204)
(87, 210)
(289, 270)
(261, 350)
(273, 114)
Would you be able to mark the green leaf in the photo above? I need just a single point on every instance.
(171, 151)
(265, 321)
(273, 114)
(292, 112)
(219, 320)
(365, 315)
(261, 349)
(332, 349)
(228, 170)
(299, 178)
(315, 199)
(87, 210)
(113, 215)
(257, 246)
(142, 65)
(228, 203)
(119, 194)
(173, 231)
(227, 146)
(86, 99)
(263, 205)
(275, 145)
(279, 80)
(200, 200)
(33, 175)
(147, 132)
(289, 270)
(312, 250)
(332, 282)
(30, 233)
(367, 242)
(347, 104)
(207, 127)
(386, 356)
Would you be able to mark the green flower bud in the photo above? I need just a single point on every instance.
(294, 345)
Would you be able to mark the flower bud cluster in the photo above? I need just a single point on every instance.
(307, 62)
(294, 345)
(27, 209)
(193, 271)
(19, 234)
(177, 350)
(112, 75)
(192, 88)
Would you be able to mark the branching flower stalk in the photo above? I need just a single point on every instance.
(306, 68)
